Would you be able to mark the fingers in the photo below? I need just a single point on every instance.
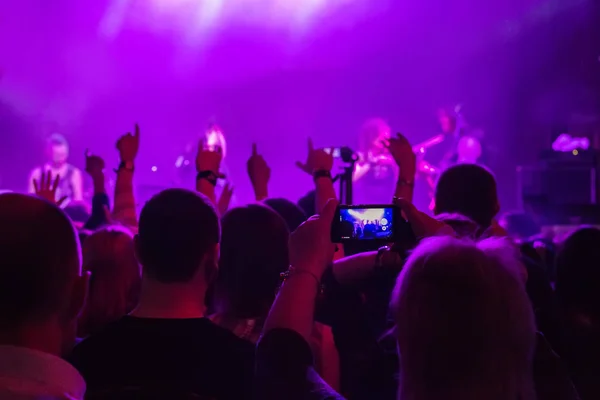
(302, 166)
(136, 132)
(87, 153)
(61, 201)
(35, 185)
(254, 150)
(310, 144)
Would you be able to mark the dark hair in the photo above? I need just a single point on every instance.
(40, 255)
(115, 278)
(470, 190)
(289, 211)
(254, 251)
(307, 203)
(578, 272)
(177, 229)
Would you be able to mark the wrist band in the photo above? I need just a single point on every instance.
(209, 176)
(125, 165)
(284, 276)
(321, 173)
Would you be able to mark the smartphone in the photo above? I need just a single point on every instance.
(374, 223)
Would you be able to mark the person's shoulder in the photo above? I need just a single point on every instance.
(224, 337)
(100, 340)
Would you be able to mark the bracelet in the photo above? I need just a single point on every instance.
(209, 176)
(125, 165)
(321, 173)
(284, 276)
(379, 257)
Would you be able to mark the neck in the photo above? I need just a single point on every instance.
(45, 337)
(171, 301)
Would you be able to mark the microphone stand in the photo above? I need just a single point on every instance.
(345, 179)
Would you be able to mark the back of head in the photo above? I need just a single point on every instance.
(470, 190)
(178, 230)
(254, 251)
(289, 211)
(40, 255)
(578, 272)
(307, 203)
(115, 278)
(464, 324)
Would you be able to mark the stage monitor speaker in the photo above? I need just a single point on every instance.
(560, 193)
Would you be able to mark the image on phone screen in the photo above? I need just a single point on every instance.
(368, 223)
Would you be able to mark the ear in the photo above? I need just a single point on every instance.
(78, 295)
(211, 264)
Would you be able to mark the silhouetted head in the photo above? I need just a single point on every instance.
(254, 252)
(41, 287)
(578, 273)
(470, 190)
(289, 211)
(178, 237)
(108, 254)
(464, 324)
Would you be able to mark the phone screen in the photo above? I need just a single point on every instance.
(372, 223)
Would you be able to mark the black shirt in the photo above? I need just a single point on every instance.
(176, 358)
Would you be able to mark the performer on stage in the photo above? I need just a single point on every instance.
(71, 181)
(376, 171)
(457, 144)
(213, 139)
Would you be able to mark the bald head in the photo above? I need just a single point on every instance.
(39, 259)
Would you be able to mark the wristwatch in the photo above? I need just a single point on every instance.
(126, 165)
(321, 173)
(209, 176)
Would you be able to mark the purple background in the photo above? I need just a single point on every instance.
(275, 71)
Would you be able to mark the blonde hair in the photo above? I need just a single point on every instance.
(464, 324)
(108, 254)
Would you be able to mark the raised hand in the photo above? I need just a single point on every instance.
(128, 145)
(225, 199)
(209, 160)
(46, 187)
(94, 165)
(259, 173)
(400, 148)
(316, 159)
(310, 244)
